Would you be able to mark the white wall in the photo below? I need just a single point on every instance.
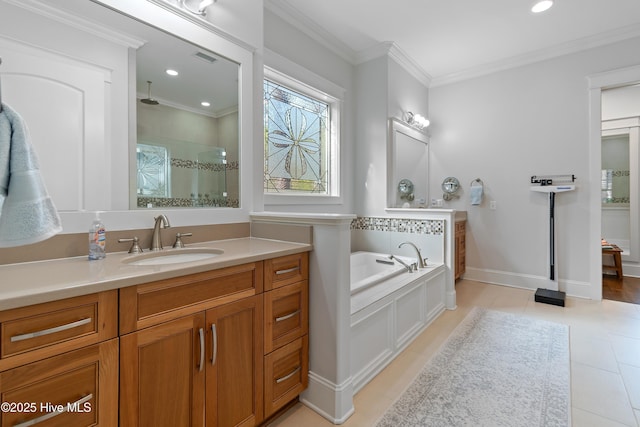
(384, 89)
(504, 128)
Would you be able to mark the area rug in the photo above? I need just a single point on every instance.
(496, 369)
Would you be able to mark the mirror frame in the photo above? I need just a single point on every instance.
(395, 127)
(164, 17)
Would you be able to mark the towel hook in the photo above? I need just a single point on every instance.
(477, 181)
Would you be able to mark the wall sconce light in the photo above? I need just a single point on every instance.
(202, 6)
(417, 121)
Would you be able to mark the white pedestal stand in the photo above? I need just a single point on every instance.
(552, 294)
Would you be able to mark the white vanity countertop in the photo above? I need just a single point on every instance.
(31, 283)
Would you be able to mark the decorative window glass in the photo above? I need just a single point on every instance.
(299, 151)
(153, 170)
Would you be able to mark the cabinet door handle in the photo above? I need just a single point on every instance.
(201, 365)
(288, 270)
(49, 331)
(65, 408)
(287, 316)
(214, 353)
(286, 377)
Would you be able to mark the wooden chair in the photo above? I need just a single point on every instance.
(615, 251)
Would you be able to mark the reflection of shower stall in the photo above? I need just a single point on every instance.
(620, 185)
(180, 174)
(210, 178)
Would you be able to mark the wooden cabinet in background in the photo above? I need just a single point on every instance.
(162, 374)
(286, 329)
(202, 336)
(61, 359)
(235, 369)
(460, 248)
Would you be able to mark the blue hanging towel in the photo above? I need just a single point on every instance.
(27, 213)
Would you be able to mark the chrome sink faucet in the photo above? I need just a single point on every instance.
(421, 261)
(156, 238)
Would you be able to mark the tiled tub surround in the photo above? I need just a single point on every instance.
(384, 235)
(431, 230)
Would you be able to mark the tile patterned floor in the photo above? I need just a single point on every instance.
(605, 358)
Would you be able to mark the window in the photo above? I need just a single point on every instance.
(153, 170)
(300, 139)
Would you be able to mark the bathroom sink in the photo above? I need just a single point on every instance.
(173, 256)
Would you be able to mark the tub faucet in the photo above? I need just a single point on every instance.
(421, 261)
(407, 266)
(156, 238)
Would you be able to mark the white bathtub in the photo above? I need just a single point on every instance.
(369, 268)
(389, 309)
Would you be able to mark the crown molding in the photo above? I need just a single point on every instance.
(557, 51)
(67, 18)
(303, 23)
(393, 51)
(306, 25)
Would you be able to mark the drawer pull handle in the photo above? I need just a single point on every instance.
(214, 354)
(65, 408)
(286, 377)
(49, 331)
(288, 316)
(288, 270)
(201, 365)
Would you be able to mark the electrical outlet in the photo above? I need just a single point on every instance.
(492, 205)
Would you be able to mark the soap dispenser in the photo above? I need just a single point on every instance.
(97, 239)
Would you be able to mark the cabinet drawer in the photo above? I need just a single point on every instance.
(286, 374)
(286, 270)
(286, 315)
(84, 383)
(42, 330)
(156, 302)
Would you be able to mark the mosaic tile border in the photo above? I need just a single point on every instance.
(399, 225)
(177, 202)
(214, 167)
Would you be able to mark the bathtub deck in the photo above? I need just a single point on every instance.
(369, 296)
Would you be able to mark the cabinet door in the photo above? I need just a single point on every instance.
(235, 364)
(162, 374)
(75, 389)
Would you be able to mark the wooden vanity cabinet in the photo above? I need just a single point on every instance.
(286, 329)
(460, 248)
(195, 336)
(61, 354)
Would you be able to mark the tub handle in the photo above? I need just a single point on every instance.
(286, 377)
(288, 270)
(287, 316)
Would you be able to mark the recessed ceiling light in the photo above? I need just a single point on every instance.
(205, 104)
(172, 72)
(541, 6)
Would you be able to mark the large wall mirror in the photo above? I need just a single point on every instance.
(77, 71)
(187, 125)
(407, 166)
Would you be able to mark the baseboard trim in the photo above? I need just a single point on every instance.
(332, 401)
(526, 281)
